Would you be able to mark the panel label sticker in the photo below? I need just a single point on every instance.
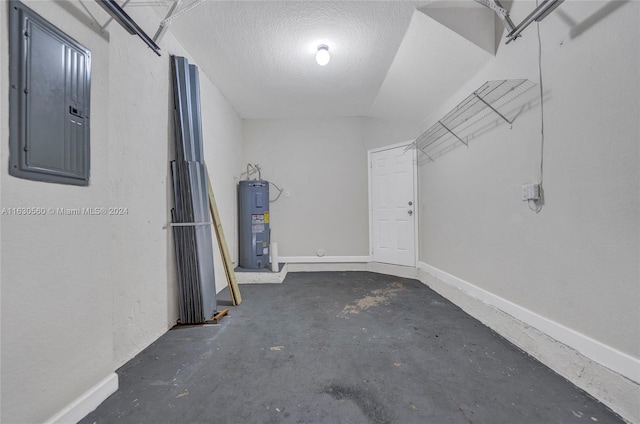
(258, 218)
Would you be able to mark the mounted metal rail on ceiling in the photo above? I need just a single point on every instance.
(173, 13)
(117, 13)
(538, 14)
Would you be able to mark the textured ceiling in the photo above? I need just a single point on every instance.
(389, 59)
(261, 54)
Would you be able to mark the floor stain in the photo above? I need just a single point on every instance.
(185, 393)
(276, 348)
(366, 402)
(374, 298)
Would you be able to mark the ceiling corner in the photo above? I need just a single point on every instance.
(468, 19)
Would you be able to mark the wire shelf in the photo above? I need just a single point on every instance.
(489, 96)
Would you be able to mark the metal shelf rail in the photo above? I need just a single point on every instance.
(538, 14)
(489, 96)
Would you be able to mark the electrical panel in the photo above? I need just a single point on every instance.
(49, 101)
(253, 210)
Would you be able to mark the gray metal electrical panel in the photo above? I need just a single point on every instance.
(253, 208)
(49, 101)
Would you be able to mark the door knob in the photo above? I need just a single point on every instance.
(410, 203)
(410, 212)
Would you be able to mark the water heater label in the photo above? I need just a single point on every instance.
(257, 228)
(258, 218)
(266, 217)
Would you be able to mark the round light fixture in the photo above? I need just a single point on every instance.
(322, 56)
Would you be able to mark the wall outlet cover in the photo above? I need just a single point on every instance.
(531, 192)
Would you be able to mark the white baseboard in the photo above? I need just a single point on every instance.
(607, 374)
(262, 277)
(87, 402)
(345, 263)
(327, 266)
(323, 259)
(324, 263)
(396, 270)
(615, 360)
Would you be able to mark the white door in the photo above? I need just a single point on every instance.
(392, 199)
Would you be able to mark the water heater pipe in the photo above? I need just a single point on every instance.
(273, 248)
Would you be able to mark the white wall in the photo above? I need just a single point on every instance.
(138, 157)
(141, 108)
(323, 165)
(321, 162)
(223, 148)
(81, 295)
(576, 262)
(380, 132)
(57, 332)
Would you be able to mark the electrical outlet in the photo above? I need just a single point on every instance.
(531, 192)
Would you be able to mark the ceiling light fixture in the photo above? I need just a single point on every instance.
(322, 56)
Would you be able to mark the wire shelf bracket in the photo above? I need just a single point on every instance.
(452, 133)
(492, 108)
(175, 11)
(488, 97)
(513, 32)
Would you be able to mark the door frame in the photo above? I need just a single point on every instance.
(416, 208)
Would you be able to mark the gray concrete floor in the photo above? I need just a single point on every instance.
(342, 347)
